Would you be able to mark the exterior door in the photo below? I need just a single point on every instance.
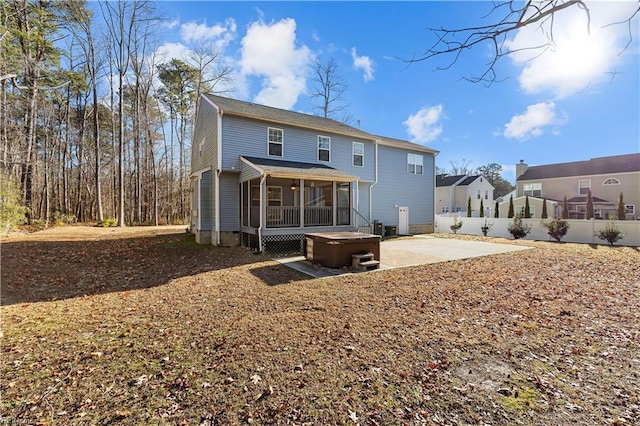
(403, 220)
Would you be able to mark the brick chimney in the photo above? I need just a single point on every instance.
(521, 168)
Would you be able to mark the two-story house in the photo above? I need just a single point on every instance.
(605, 177)
(264, 176)
(453, 193)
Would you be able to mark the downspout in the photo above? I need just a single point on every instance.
(375, 179)
(262, 180)
(434, 189)
(218, 172)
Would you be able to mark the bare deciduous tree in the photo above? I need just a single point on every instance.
(511, 16)
(328, 91)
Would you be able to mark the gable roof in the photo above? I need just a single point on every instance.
(595, 166)
(448, 180)
(262, 112)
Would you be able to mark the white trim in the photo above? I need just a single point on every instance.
(324, 149)
(353, 154)
(617, 181)
(198, 173)
(269, 142)
(375, 176)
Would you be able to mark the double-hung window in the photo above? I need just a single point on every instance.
(532, 189)
(324, 148)
(584, 186)
(357, 149)
(415, 164)
(275, 142)
(630, 209)
(486, 194)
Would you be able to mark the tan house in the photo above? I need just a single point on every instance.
(453, 192)
(606, 177)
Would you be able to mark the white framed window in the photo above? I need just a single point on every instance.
(611, 181)
(532, 189)
(478, 196)
(324, 148)
(275, 142)
(415, 164)
(630, 208)
(458, 209)
(584, 186)
(357, 149)
(486, 194)
(445, 209)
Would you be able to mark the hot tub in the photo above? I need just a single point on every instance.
(334, 249)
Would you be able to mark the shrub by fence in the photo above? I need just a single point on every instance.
(580, 230)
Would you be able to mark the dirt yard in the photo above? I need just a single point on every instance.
(143, 326)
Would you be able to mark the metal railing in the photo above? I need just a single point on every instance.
(362, 224)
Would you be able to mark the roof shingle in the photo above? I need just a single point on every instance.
(595, 166)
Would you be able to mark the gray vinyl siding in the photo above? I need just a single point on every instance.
(243, 136)
(229, 202)
(206, 201)
(362, 204)
(396, 187)
(207, 127)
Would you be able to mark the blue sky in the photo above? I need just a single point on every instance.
(579, 102)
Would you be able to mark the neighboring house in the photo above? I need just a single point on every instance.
(263, 177)
(606, 177)
(535, 207)
(453, 192)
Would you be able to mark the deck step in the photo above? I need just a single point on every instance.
(361, 256)
(370, 263)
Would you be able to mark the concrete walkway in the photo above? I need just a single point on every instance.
(417, 250)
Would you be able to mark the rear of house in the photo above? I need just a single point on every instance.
(263, 177)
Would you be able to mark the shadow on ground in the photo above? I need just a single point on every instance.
(38, 271)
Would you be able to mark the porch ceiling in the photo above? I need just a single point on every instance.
(295, 169)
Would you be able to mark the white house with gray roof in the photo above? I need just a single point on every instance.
(264, 177)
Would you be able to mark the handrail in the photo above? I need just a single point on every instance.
(362, 223)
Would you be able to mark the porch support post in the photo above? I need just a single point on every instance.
(301, 203)
(334, 202)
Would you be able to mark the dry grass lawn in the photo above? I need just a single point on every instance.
(143, 326)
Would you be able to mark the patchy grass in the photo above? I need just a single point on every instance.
(142, 326)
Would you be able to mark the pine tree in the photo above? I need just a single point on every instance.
(496, 213)
(621, 209)
(510, 214)
(527, 208)
(481, 209)
(544, 208)
(565, 208)
(469, 207)
(589, 213)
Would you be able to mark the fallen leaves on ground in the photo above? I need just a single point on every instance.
(139, 328)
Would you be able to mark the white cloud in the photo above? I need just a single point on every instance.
(533, 122)
(582, 53)
(170, 24)
(270, 51)
(168, 51)
(364, 63)
(424, 126)
(220, 34)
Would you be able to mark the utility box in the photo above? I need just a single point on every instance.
(390, 231)
(377, 228)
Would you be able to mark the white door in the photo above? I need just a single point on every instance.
(403, 220)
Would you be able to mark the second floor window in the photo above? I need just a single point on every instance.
(486, 194)
(478, 194)
(324, 148)
(358, 154)
(275, 142)
(584, 186)
(414, 164)
(611, 181)
(532, 189)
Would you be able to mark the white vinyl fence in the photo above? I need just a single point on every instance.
(580, 230)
